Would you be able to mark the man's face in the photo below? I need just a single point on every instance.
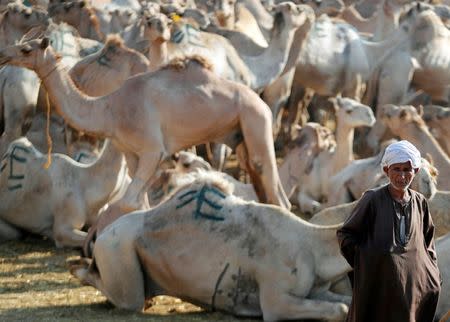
(400, 175)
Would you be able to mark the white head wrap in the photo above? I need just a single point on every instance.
(400, 152)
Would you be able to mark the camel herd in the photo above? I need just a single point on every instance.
(112, 115)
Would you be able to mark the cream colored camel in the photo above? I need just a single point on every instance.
(406, 123)
(424, 63)
(313, 187)
(443, 255)
(424, 182)
(255, 71)
(149, 125)
(381, 23)
(346, 60)
(280, 264)
(437, 119)
(235, 16)
(55, 202)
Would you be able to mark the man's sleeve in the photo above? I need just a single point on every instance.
(349, 235)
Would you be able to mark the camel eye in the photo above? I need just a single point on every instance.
(403, 114)
(26, 49)
(186, 165)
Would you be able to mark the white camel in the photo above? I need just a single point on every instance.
(258, 260)
(314, 186)
(55, 202)
(406, 123)
(144, 121)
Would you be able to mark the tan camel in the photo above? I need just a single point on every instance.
(281, 264)
(17, 19)
(235, 16)
(146, 126)
(437, 119)
(312, 139)
(313, 189)
(79, 14)
(406, 123)
(55, 202)
(255, 71)
(104, 71)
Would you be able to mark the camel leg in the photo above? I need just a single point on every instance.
(282, 305)
(121, 280)
(134, 197)
(308, 204)
(8, 232)
(66, 219)
(257, 132)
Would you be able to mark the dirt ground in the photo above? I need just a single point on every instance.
(35, 285)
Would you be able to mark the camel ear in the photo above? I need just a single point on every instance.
(420, 110)
(45, 42)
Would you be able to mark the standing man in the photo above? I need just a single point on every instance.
(389, 242)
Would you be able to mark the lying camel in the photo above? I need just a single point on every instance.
(55, 202)
(424, 182)
(443, 255)
(437, 119)
(351, 182)
(406, 122)
(256, 259)
(149, 124)
(314, 186)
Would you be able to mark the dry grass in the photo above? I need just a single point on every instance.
(35, 285)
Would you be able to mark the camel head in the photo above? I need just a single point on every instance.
(225, 12)
(291, 14)
(399, 117)
(426, 179)
(188, 162)
(157, 28)
(35, 54)
(23, 18)
(435, 113)
(122, 17)
(72, 13)
(149, 9)
(329, 7)
(352, 113)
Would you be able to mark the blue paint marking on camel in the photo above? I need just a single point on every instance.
(13, 157)
(201, 198)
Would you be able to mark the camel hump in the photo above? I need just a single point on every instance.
(113, 40)
(181, 63)
(204, 180)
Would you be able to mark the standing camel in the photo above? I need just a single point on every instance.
(148, 122)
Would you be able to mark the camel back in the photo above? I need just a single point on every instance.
(181, 63)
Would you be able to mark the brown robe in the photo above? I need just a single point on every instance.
(391, 282)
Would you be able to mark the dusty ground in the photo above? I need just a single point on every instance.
(35, 285)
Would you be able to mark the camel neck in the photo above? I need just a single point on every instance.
(268, 66)
(158, 54)
(344, 148)
(84, 113)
